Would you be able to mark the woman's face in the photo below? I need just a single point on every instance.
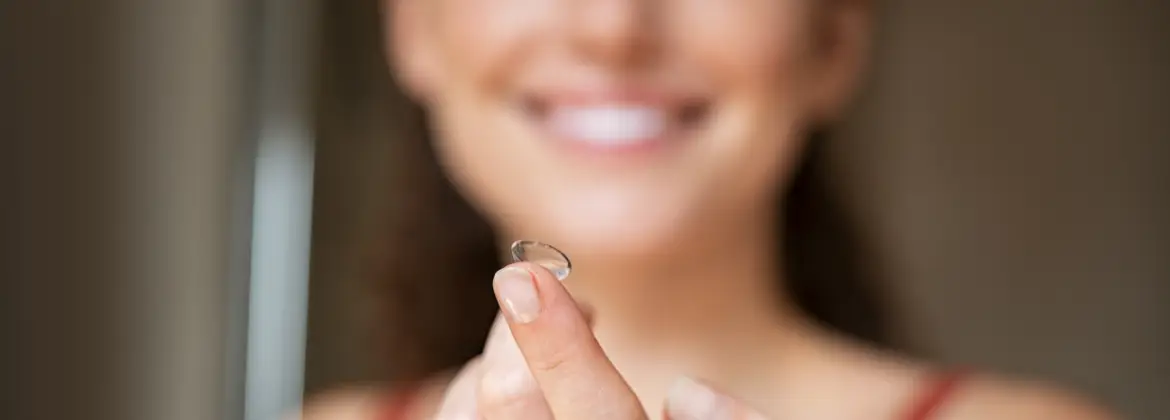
(624, 125)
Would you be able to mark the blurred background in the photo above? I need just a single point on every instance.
(194, 191)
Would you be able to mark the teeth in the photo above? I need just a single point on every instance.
(610, 125)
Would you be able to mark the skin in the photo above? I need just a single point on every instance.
(672, 247)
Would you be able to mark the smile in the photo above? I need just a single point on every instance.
(616, 123)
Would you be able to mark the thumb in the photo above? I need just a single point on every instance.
(691, 400)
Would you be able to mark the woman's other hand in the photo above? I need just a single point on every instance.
(543, 362)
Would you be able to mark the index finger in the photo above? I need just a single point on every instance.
(577, 379)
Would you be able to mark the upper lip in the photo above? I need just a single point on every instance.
(610, 96)
(672, 101)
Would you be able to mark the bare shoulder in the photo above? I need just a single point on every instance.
(893, 381)
(985, 396)
(372, 403)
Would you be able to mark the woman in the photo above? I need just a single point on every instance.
(655, 142)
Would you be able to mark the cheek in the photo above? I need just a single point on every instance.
(486, 163)
(470, 155)
(758, 32)
(758, 58)
(481, 41)
(756, 51)
(754, 155)
(478, 44)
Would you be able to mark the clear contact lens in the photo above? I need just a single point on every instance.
(544, 255)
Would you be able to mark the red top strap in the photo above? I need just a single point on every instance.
(935, 395)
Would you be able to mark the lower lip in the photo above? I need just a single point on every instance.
(632, 146)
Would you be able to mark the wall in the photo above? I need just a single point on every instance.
(125, 121)
(1015, 163)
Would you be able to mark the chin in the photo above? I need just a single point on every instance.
(598, 238)
(611, 222)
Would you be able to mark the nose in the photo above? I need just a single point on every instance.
(613, 32)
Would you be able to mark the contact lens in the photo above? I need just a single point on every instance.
(544, 255)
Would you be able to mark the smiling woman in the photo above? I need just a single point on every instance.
(668, 148)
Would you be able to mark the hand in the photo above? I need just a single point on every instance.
(542, 362)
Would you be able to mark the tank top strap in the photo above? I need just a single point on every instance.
(934, 394)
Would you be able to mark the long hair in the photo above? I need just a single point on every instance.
(442, 255)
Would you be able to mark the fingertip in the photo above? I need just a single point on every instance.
(459, 399)
(688, 399)
(505, 384)
(691, 399)
(507, 391)
(550, 292)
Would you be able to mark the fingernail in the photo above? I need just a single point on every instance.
(517, 294)
(690, 400)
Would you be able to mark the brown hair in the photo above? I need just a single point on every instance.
(443, 253)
